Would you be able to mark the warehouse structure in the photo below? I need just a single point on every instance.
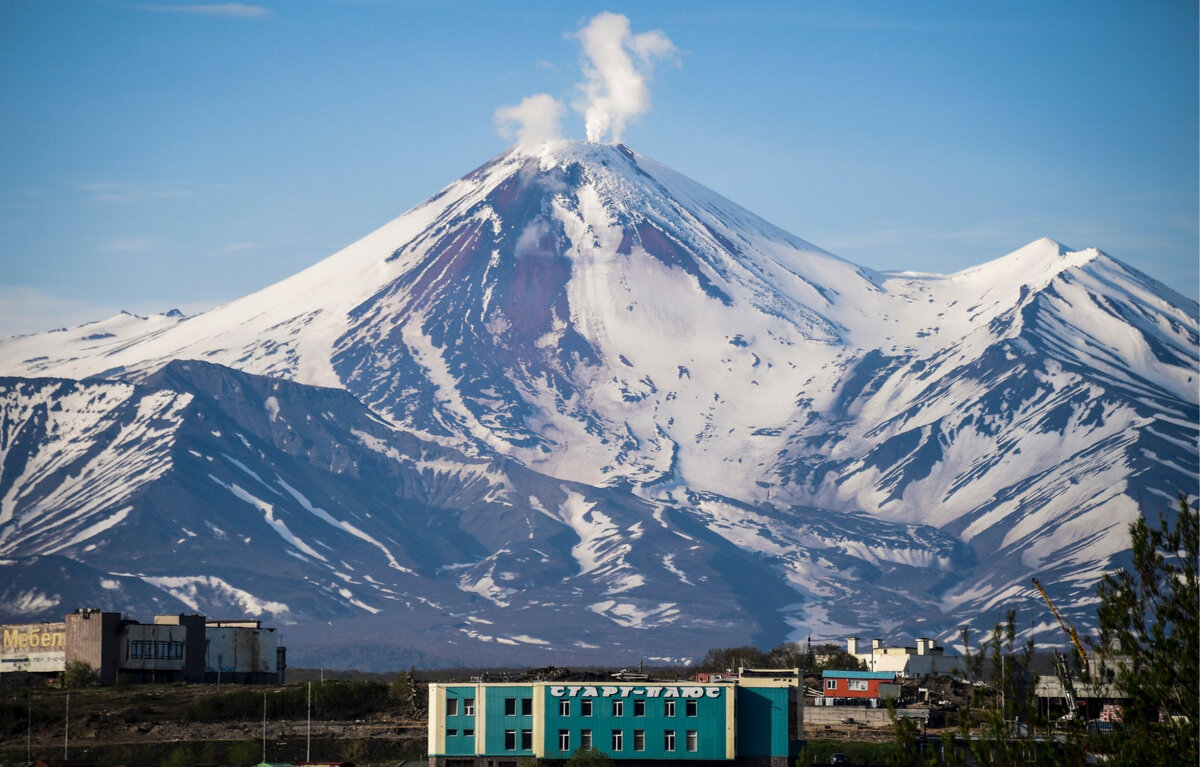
(754, 720)
(186, 648)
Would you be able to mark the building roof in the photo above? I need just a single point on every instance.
(888, 675)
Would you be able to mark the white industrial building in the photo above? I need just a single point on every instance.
(923, 660)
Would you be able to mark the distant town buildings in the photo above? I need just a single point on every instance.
(188, 648)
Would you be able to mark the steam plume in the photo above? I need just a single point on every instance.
(617, 66)
(534, 120)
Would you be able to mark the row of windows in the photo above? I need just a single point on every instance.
(618, 707)
(156, 650)
(859, 685)
(564, 706)
(510, 740)
(617, 743)
(468, 732)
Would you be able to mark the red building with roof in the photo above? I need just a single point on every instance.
(859, 685)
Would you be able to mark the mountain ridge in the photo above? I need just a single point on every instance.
(635, 346)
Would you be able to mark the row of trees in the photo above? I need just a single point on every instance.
(813, 659)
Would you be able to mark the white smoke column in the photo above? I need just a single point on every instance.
(617, 66)
(534, 120)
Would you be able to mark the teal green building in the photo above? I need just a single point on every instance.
(753, 720)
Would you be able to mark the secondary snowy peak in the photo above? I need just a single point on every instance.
(49, 353)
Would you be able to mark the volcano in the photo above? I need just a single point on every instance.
(576, 403)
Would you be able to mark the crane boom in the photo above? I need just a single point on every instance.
(1066, 625)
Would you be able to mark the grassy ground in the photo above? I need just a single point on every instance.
(367, 722)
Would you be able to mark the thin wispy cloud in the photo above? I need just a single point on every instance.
(236, 10)
(129, 245)
(237, 247)
(117, 192)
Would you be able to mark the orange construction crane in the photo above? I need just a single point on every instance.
(1066, 625)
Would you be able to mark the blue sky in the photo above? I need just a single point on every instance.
(182, 154)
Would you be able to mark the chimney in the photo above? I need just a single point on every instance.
(876, 645)
(922, 645)
(852, 645)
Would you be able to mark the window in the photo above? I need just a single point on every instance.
(857, 684)
(618, 708)
(468, 733)
(564, 708)
(135, 649)
(639, 707)
(585, 738)
(510, 706)
(691, 740)
(564, 740)
(690, 707)
(526, 706)
(669, 710)
(618, 740)
(452, 733)
(177, 650)
(526, 740)
(669, 740)
(830, 684)
(451, 706)
(510, 740)
(639, 740)
(585, 706)
(468, 707)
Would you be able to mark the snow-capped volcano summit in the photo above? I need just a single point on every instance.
(585, 313)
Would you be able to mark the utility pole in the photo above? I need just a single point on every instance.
(29, 731)
(67, 729)
(308, 745)
(264, 726)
